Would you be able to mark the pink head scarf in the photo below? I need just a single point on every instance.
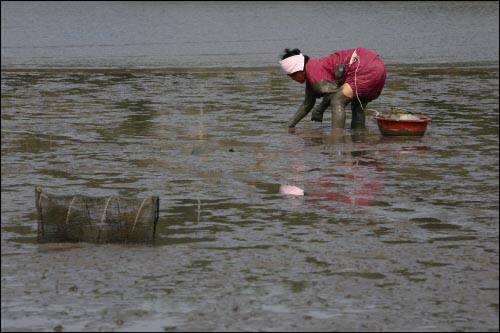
(293, 64)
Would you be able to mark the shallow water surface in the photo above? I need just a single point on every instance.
(419, 252)
(40, 34)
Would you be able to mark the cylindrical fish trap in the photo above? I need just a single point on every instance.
(79, 218)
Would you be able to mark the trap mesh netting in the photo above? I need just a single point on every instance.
(74, 218)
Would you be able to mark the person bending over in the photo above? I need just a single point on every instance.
(355, 76)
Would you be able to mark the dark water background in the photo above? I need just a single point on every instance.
(185, 101)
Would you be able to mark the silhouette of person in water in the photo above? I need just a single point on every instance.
(357, 179)
(360, 177)
(348, 187)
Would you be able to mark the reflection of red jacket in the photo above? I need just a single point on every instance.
(363, 179)
(366, 75)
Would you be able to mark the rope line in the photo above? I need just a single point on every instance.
(355, 83)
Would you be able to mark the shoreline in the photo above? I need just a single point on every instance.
(215, 69)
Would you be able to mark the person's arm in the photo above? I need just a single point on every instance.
(326, 89)
(304, 108)
(317, 114)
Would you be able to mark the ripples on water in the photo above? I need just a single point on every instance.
(231, 252)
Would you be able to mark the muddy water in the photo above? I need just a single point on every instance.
(419, 252)
(402, 234)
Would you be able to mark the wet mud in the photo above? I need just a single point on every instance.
(231, 253)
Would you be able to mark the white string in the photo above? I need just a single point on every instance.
(355, 84)
(373, 110)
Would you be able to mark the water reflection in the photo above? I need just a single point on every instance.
(356, 172)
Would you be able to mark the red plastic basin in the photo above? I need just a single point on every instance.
(393, 126)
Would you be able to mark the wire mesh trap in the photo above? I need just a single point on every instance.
(80, 218)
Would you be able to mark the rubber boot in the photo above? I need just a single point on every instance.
(358, 114)
(339, 102)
